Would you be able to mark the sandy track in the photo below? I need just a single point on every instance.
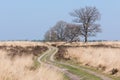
(70, 75)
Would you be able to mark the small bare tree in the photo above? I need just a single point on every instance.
(50, 35)
(87, 17)
(56, 33)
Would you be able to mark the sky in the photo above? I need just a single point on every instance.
(30, 19)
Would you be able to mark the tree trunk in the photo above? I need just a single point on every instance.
(85, 39)
(86, 36)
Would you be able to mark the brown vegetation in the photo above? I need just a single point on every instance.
(103, 56)
(20, 50)
(19, 67)
(61, 53)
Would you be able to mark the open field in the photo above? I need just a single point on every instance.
(21, 67)
(18, 60)
(104, 56)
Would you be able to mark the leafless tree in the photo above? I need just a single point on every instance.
(47, 36)
(72, 33)
(87, 18)
(56, 33)
(50, 35)
(63, 31)
(59, 30)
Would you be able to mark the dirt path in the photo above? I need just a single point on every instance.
(53, 51)
(70, 75)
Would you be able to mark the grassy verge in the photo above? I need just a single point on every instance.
(92, 69)
(81, 73)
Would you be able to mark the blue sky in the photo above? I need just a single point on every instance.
(30, 19)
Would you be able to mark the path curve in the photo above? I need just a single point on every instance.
(70, 75)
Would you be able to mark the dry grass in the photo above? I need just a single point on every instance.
(20, 67)
(101, 55)
(23, 48)
(21, 43)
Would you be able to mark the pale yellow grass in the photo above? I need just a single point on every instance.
(21, 43)
(19, 68)
(107, 58)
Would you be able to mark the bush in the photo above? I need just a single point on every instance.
(19, 50)
(114, 71)
(61, 52)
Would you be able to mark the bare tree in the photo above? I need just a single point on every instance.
(56, 33)
(50, 35)
(47, 36)
(87, 17)
(72, 32)
(59, 30)
(63, 31)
